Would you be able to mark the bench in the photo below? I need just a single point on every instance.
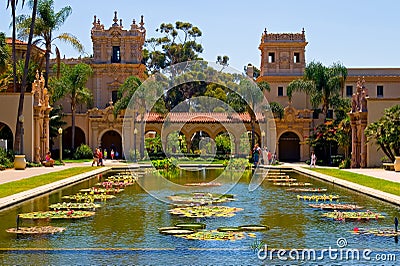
(388, 166)
(48, 163)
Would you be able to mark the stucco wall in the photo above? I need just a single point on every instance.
(8, 116)
(376, 108)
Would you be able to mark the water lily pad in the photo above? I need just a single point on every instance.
(254, 227)
(318, 197)
(75, 206)
(191, 225)
(353, 216)
(229, 229)
(62, 214)
(335, 206)
(180, 231)
(35, 230)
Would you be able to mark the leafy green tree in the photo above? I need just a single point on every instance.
(4, 55)
(324, 141)
(254, 96)
(321, 83)
(276, 108)
(8, 76)
(48, 21)
(178, 44)
(223, 144)
(56, 121)
(343, 135)
(386, 132)
(135, 95)
(72, 83)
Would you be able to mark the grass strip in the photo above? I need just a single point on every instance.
(25, 184)
(364, 180)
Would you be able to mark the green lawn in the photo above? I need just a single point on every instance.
(11, 188)
(368, 181)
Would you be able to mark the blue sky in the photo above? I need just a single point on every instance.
(357, 33)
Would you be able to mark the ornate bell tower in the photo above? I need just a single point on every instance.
(282, 54)
(117, 54)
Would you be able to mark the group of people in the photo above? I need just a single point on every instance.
(99, 156)
(262, 155)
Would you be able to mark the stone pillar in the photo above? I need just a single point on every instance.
(36, 136)
(237, 145)
(363, 142)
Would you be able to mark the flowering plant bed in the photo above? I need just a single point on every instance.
(298, 184)
(215, 235)
(96, 190)
(335, 206)
(200, 198)
(355, 216)
(75, 206)
(282, 179)
(312, 190)
(70, 214)
(36, 230)
(110, 184)
(89, 198)
(318, 197)
(123, 178)
(205, 211)
(384, 231)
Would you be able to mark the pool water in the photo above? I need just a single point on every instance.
(124, 230)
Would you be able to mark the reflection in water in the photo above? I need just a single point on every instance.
(124, 230)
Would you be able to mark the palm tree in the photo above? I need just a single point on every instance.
(321, 83)
(253, 95)
(30, 28)
(47, 22)
(72, 83)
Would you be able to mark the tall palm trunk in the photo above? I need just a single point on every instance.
(19, 124)
(14, 55)
(73, 107)
(47, 55)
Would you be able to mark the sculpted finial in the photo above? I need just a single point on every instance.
(141, 21)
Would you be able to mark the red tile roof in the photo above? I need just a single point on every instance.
(176, 117)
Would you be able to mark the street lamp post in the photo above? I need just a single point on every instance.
(262, 138)
(134, 143)
(60, 131)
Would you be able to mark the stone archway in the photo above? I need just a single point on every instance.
(289, 147)
(67, 138)
(6, 137)
(112, 140)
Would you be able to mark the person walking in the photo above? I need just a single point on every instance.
(256, 154)
(313, 160)
(95, 157)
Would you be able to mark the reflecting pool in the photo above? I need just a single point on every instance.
(124, 230)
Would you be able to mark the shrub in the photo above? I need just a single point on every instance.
(345, 164)
(6, 158)
(83, 152)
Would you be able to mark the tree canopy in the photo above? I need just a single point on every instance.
(321, 83)
(47, 22)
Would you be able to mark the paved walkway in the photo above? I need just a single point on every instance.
(374, 172)
(10, 175)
